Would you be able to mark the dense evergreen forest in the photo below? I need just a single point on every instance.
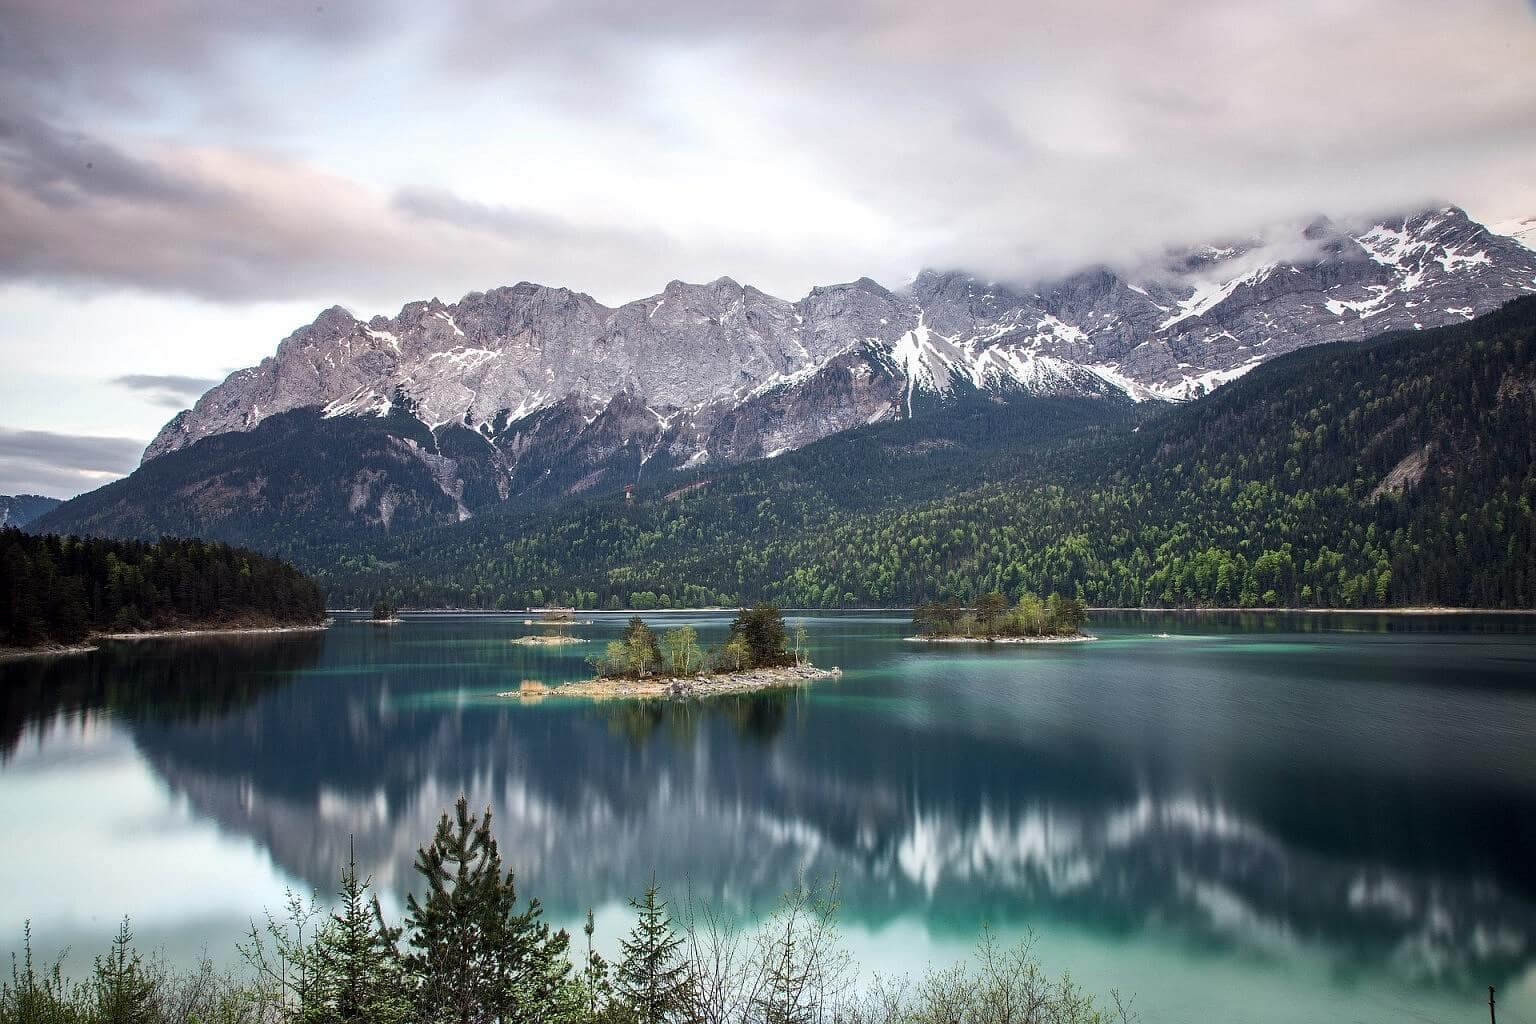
(1396, 471)
(59, 590)
(473, 949)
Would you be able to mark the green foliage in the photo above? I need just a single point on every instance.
(124, 988)
(652, 981)
(40, 994)
(383, 611)
(680, 647)
(761, 629)
(641, 651)
(806, 970)
(596, 979)
(992, 617)
(60, 589)
(360, 976)
(1397, 471)
(476, 957)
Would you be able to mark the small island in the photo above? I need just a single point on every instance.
(556, 623)
(759, 654)
(992, 620)
(384, 614)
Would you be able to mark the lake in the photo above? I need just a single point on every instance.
(1234, 817)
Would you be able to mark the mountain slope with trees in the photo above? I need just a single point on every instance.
(20, 509)
(518, 399)
(1396, 471)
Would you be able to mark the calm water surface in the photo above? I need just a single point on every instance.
(1258, 818)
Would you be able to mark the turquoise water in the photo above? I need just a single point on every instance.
(1250, 818)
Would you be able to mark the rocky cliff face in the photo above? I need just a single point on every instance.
(727, 372)
(542, 393)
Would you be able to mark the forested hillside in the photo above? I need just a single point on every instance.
(1397, 471)
(61, 589)
(20, 509)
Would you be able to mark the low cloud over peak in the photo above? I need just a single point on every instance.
(170, 390)
(288, 155)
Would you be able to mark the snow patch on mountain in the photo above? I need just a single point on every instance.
(723, 372)
(1521, 229)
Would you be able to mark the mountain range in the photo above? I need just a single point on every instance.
(528, 396)
(1398, 471)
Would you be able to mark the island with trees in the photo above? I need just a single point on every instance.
(57, 593)
(555, 625)
(991, 619)
(759, 653)
(384, 614)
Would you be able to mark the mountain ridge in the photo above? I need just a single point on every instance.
(1396, 471)
(526, 396)
(1209, 313)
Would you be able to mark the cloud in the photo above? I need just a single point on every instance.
(389, 154)
(170, 390)
(52, 50)
(62, 465)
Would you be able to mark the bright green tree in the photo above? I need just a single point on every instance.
(681, 649)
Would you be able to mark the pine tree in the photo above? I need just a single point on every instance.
(359, 960)
(475, 959)
(124, 990)
(653, 979)
(596, 984)
(762, 629)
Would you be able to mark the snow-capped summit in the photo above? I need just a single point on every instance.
(722, 371)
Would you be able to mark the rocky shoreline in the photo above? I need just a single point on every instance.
(46, 651)
(677, 687)
(1080, 638)
(162, 634)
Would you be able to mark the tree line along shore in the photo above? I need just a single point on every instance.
(60, 591)
(472, 949)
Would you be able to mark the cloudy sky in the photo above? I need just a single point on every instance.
(183, 182)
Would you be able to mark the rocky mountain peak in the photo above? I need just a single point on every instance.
(728, 371)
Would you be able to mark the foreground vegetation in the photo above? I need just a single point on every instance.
(1398, 471)
(991, 617)
(60, 590)
(472, 951)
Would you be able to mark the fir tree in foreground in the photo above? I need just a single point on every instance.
(125, 990)
(653, 980)
(480, 959)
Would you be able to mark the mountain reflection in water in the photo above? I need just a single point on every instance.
(1358, 787)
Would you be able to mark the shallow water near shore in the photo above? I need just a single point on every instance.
(1298, 817)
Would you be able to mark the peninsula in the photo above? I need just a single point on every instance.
(58, 594)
